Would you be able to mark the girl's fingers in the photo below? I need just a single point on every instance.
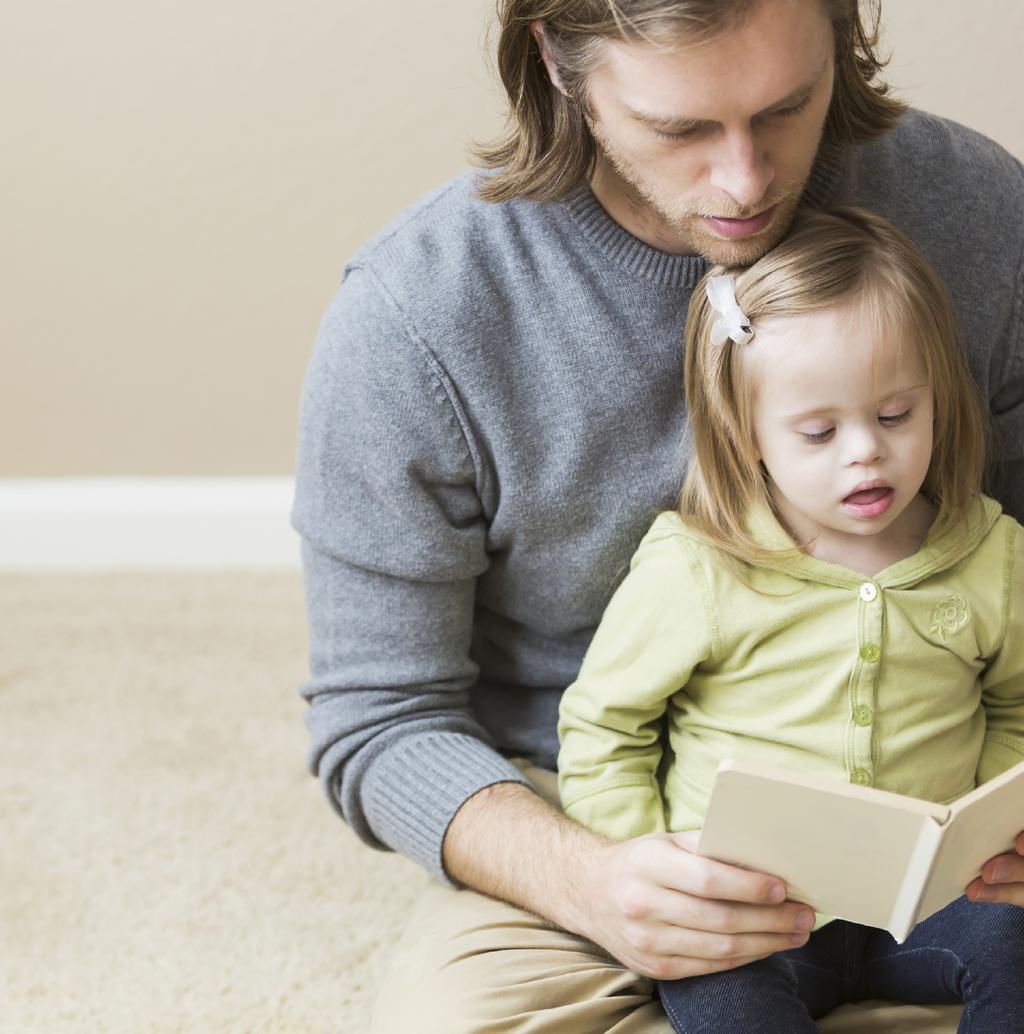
(996, 888)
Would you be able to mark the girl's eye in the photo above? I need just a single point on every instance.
(898, 418)
(818, 437)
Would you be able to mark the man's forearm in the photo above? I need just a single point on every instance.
(650, 902)
(508, 843)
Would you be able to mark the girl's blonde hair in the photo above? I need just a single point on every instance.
(548, 151)
(828, 259)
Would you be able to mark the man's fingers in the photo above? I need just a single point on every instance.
(706, 878)
(714, 916)
(668, 941)
(673, 928)
(688, 841)
(671, 913)
(680, 967)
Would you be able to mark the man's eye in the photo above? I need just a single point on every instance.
(897, 418)
(681, 134)
(796, 109)
(818, 436)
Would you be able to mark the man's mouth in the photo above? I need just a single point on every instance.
(733, 228)
(869, 502)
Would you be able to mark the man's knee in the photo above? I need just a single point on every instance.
(469, 964)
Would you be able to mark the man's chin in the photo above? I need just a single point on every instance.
(720, 250)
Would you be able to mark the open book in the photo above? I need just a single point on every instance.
(857, 853)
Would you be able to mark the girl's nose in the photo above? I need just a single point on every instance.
(864, 446)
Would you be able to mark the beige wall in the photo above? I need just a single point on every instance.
(182, 182)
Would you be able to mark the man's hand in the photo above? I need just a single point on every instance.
(652, 903)
(1001, 879)
(667, 913)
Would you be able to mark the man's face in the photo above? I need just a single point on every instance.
(705, 148)
(843, 423)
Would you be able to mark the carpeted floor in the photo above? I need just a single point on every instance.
(167, 863)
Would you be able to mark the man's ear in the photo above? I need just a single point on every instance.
(539, 29)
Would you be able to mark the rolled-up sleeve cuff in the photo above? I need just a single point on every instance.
(412, 791)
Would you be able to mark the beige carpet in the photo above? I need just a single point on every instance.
(167, 864)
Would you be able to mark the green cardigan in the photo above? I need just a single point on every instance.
(911, 680)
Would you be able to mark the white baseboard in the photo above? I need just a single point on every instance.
(146, 524)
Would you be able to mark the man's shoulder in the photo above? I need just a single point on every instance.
(925, 135)
(445, 231)
(427, 213)
(450, 262)
(960, 197)
(928, 157)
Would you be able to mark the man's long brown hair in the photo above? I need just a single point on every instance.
(548, 151)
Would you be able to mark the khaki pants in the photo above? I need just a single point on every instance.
(469, 964)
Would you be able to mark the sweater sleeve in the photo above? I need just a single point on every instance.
(655, 631)
(1002, 680)
(393, 541)
(1007, 405)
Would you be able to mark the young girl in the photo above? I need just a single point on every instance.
(834, 595)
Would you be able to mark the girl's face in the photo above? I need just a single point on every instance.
(843, 425)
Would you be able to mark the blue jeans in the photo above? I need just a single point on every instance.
(968, 952)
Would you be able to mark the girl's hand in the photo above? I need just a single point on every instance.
(1001, 879)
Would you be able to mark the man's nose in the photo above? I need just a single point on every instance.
(742, 170)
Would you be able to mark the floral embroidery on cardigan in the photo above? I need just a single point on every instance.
(949, 617)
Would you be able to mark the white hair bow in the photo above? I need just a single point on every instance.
(732, 322)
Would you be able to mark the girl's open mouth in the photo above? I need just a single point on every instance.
(869, 502)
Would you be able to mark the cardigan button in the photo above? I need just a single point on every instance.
(862, 716)
(870, 652)
(861, 776)
(868, 591)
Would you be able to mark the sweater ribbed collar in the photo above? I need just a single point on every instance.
(667, 269)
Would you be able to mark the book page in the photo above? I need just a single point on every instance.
(983, 823)
(840, 848)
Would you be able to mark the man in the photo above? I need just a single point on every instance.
(492, 417)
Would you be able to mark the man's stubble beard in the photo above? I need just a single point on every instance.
(688, 224)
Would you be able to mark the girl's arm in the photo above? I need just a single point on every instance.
(1002, 878)
(655, 631)
(1002, 682)
(652, 903)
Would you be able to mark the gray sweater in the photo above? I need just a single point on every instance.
(493, 416)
